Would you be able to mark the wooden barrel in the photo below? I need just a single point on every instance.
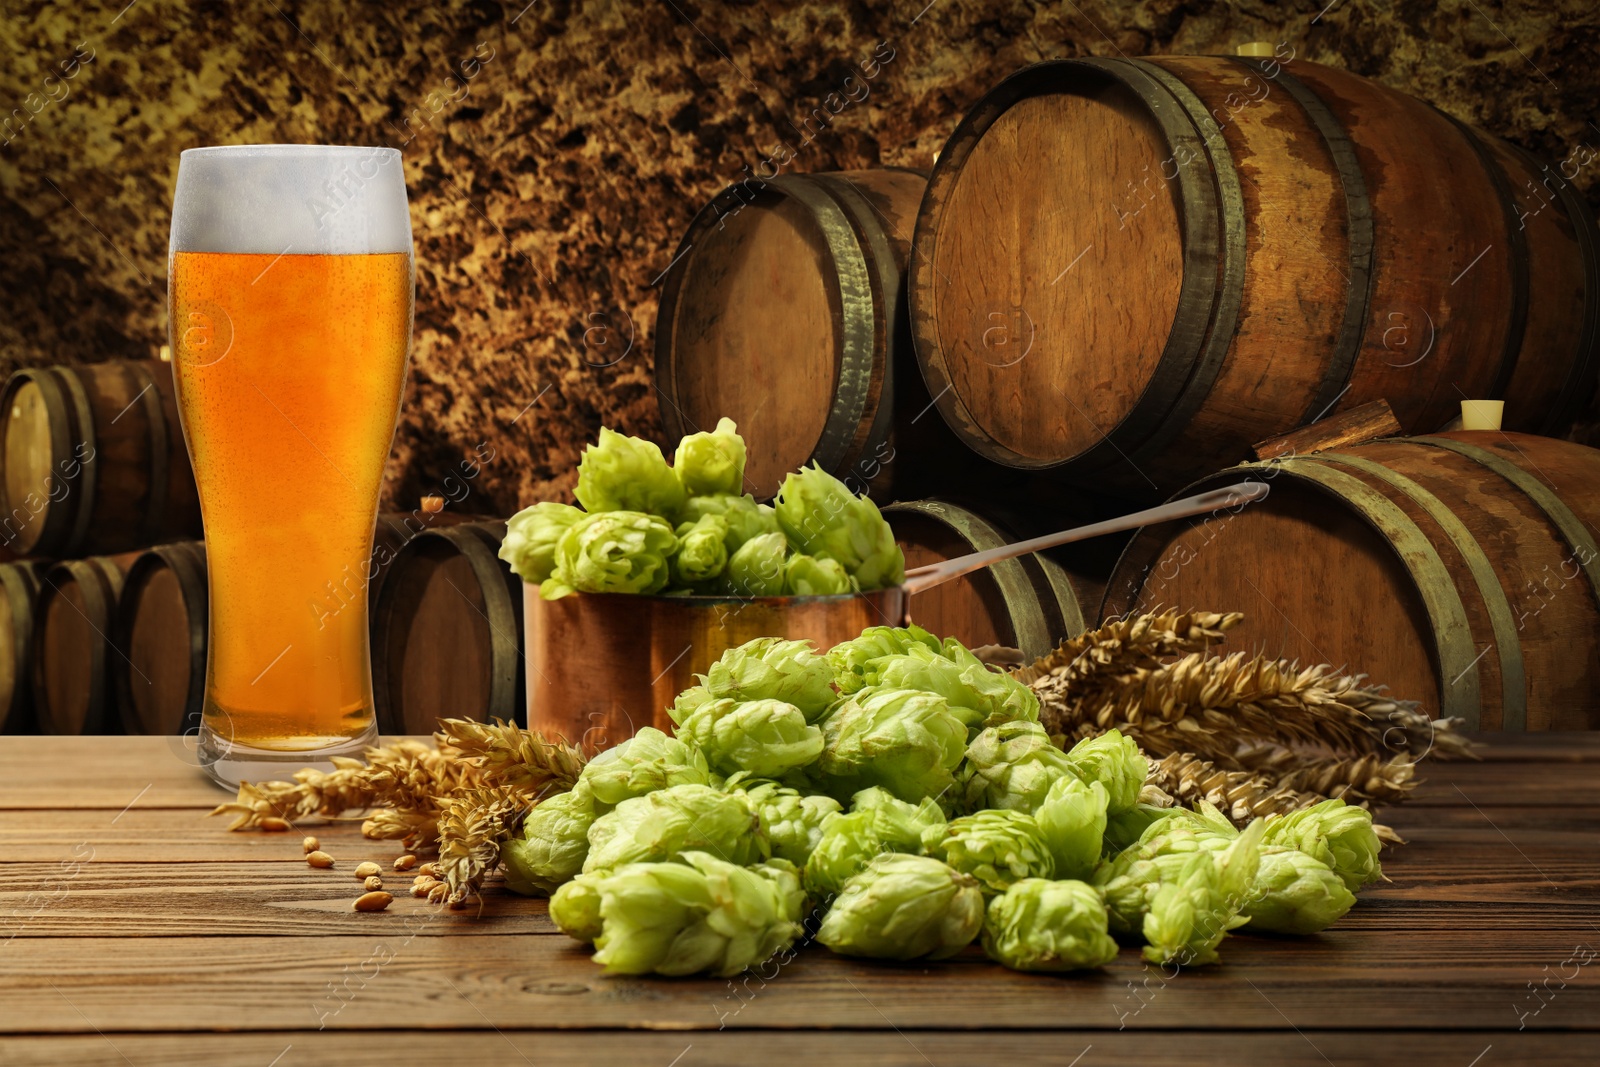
(447, 631)
(74, 616)
(1131, 270)
(783, 310)
(162, 615)
(1027, 603)
(19, 585)
(1459, 569)
(94, 460)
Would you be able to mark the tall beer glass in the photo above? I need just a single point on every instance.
(290, 283)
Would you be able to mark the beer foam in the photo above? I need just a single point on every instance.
(287, 198)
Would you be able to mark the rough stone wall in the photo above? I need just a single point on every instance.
(549, 187)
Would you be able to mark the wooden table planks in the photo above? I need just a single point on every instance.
(134, 931)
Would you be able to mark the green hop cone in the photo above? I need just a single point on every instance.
(907, 741)
(553, 844)
(1131, 878)
(771, 668)
(756, 569)
(531, 538)
(791, 820)
(824, 518)
(1012, 765)
(1338, 834)
(904, 907)
(805, 575)
(1072, 821)
(575, 907)
(669, 822)
(1116, 763)
(700, 916)
(877, 822)
(1123, 830)
(615, 552)
(711, 463)
(1192, 909)
(622, 473)
(745, 518)
(767, 738)
(1039, 925)
(978, 696)
(645, 762)
(1295, 894)
(854, 661)
(702, 551)
(998, 848)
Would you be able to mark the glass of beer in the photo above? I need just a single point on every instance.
(290, 287)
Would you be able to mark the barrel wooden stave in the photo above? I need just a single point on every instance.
(1481, 598)
(95, 459)
(1330, 225)
(782, 311)
(75, 613)
(1027, 603)
(447, 631)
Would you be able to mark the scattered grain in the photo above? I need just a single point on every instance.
(309, 844)
(405, 863)
(372, 882)
(367, 869)
(372, 902)
(318, 858)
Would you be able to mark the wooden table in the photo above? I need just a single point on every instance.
(140, 933)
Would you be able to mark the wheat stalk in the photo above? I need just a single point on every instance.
(472, 828)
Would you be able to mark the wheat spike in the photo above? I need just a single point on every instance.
(1364, 779)
(472, 828)
(1212, 705)
(1241, 795)
(511, 756)
(1126, 644)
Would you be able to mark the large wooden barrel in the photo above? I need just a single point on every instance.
(19, 588)
(1459, 569)
(94, 460)
(160, 674)
(1027, 603)
(1131, 270)
(447, 631)
(74, 616)
(783, 310)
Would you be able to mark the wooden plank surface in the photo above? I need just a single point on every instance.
(132, 926)
(907, 1048)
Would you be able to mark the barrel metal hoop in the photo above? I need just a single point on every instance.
(89, 475)
(1231, 225)
(857, 319)
(1028, 623)
(1502, 622)
(1581, 374)
(1197, 210)
(1360, 235)
(1517, 239)
(1452, 635)
(149, 400)
(1571, 528)
(890, 299)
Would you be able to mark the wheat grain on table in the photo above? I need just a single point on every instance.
(135, 931)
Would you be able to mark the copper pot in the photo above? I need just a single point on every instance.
(602, 666)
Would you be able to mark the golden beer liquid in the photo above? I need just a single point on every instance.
(289, 371)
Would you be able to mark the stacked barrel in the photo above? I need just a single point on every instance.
(1120, 277)
(103, 625)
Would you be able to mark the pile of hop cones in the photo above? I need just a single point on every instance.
(1252, 735)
